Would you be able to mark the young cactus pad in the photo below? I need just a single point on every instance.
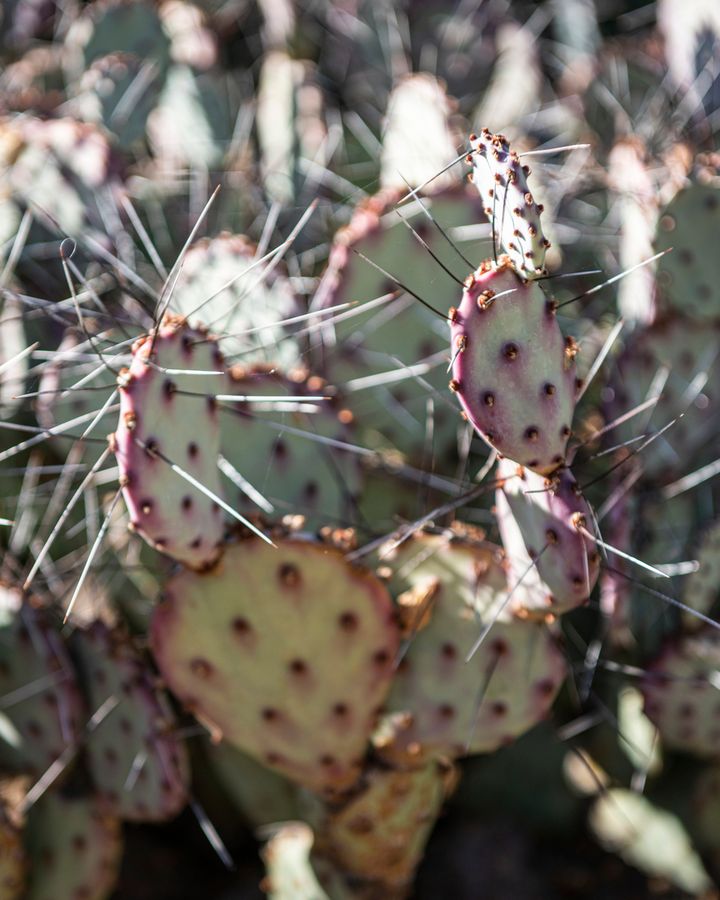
(442, 706)
(509, 204)
(140, 769)
(552, 565)
(513, 371)
(168, 415)
(287, 651)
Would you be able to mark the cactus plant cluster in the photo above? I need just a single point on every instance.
(332, 480)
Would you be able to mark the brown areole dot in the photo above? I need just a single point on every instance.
(510, 350)
(289, 575)
(348, 621)
(201, 667)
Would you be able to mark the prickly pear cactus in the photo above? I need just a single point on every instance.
(514, 215)
(684, 378)
(302, 698)
(391, 356)
(74, 848)
(513, 371)
(294, 473)
(379, 834)
(552, 564)
(681, 693)
(443, 706)
(169, 421)
(139, 767)
(41, 711)
(688, 276)
(221, 287)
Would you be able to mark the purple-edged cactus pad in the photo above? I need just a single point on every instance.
(509, 204)
(287, 651)
(553, 566)
(168, 415)
(513, 371)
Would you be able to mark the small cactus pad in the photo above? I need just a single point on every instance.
(12, 859)
(140, 769)
(74, 849)
(303, 697)
(244, 310)
(513, 371)
(689, 275)
(702, 588)
(509, 204)
(553, 566)
(681, 693)
(168, 414)
(41, 711)
(296, 474)
(441, 706)
(379, 835)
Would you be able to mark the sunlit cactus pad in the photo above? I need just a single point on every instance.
(287, 652)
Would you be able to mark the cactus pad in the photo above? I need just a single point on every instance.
(689, 276)
(685, 376)
(74, 849)
(441, 706)
(682, 697)
(295, 473)
(513, 371)
(508, 202)
(41, 710)
(393, 412)
(251, 303)
(553, 567)
(140, 769)
(165, 416)
(379, 835)
(301, 698)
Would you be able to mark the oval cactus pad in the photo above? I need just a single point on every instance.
(168, 415)
(513, 371)
(287, 651)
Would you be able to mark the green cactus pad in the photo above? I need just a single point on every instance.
(689, 276)
(513, 371)
(295, 473)
(287, 651)
(168, 414)
(508, 203)
(140, 769)
(74, 849)
(13, 863)
(41, 711)
(685, 376)
(682, 696)
(393, 338)
(251, 303)
(702, 588)
(552, 566)
(379, 835)
(441, 706)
